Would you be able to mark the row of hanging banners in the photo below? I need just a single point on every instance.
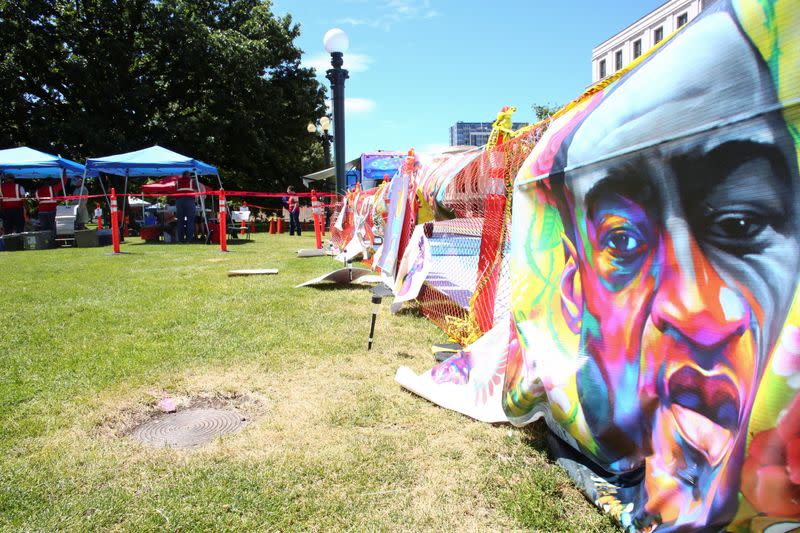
(626, 271)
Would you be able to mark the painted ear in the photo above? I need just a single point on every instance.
(571, 292)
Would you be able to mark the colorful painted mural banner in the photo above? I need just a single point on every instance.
(387, 255)
(413, 270)
(436, 175)
(470, 382)
(655, 259)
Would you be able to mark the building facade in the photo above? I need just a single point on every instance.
(475, 133)
(618, 51)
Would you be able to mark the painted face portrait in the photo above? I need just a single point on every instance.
(681, 215)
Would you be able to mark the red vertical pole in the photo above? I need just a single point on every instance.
(493, 220)
(315, 210)
(223, 232)
(317, 231)
(114, 221)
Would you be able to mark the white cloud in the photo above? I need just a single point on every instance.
(353, 21)
(359, 105)
(354, 105)
(392, 12)
(352, 62)
(409, 9)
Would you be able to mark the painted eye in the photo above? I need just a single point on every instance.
(623, 241)
(737, 225)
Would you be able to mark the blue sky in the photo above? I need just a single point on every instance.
(418, 66)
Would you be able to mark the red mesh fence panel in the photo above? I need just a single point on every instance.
(468, 285)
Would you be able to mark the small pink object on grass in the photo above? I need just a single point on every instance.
(167, 405)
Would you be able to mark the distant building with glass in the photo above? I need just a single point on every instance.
(618, 51)
(475, 133)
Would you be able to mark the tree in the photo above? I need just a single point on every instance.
(218, 80)
(542, 111)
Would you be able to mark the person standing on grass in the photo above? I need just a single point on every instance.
(185, 207)
(293, 205)
(82, 216)
(12, 212)
(47, 207)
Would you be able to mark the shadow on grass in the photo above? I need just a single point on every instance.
(410, 310)
(229, 242)
(238, 242)
(162, 243)
(535, 436)
(327, 287)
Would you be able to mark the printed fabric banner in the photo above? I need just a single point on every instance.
(655, 259)
(413, 270)
(340, 219)
(437, 174)
(470, 382)
(397, 200)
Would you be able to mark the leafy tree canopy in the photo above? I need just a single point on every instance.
(542, 111)
(218, 80)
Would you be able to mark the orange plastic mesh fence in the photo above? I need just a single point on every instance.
(468, 285)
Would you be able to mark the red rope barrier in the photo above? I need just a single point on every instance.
(206, 193)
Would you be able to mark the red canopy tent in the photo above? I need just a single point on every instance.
(167, 185)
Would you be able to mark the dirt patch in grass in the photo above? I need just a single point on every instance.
(123, 418)
(346, 443)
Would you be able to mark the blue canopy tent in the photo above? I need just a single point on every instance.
(27, 163)
(151, 162)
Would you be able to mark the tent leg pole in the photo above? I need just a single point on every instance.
(63, 183)
(124, 202)
(202, 204)
(103, 187)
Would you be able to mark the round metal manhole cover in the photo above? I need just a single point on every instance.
(189, 428)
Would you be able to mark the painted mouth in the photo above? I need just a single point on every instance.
(706, 410)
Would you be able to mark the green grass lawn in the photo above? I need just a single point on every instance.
(90, 342)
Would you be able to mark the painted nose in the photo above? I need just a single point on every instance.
(693, 300)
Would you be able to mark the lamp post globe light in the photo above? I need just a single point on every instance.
(325, 126)
(336, 43)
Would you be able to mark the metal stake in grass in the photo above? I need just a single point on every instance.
(376, 304)
(378, 293)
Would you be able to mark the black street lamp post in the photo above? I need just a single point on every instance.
(336, 43)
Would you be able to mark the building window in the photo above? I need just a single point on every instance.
(618, 60)
(658, 35)
(683, 19)
(637, 48)
(602, 68)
